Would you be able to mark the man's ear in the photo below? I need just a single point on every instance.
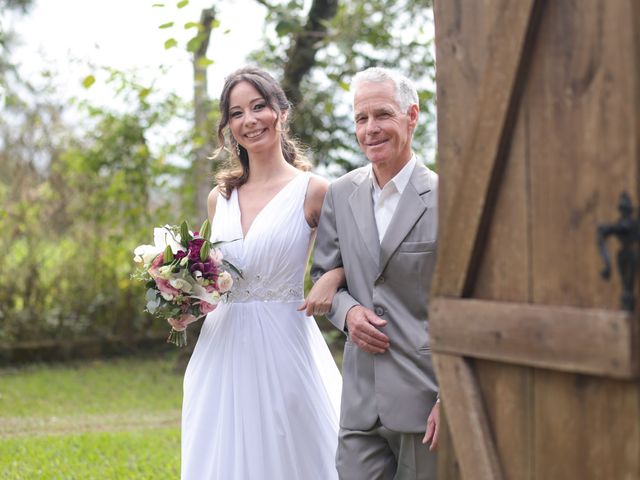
(414, 111)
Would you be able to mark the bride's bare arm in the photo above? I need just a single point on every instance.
(315, 197)
(318, 301)
(211, 203)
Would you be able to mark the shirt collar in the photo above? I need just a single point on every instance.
(401, 179)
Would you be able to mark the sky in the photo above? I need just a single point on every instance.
(62, 35)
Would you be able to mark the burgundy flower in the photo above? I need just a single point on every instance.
(199, 266)
(194, 249)
(180, 254)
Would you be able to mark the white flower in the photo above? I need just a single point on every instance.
(167, 296)
(180, 284)
(163, 237)
(146, 254)
(201, 293)
(165, 272)
(225, 282)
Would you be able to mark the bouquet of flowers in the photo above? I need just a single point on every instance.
(185, 276)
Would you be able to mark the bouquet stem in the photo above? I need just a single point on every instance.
(178, 338)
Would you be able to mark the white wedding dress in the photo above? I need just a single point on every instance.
(261, 391)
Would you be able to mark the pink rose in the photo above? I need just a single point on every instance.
(180, 323)
(225, 282)
(206, 307)
(216, 257)
(165, 287)
(154, 269)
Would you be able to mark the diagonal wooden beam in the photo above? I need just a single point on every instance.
(483, 157)
(470, 431)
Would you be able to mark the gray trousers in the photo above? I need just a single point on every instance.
(382, 454)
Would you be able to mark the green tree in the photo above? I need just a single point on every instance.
(75, 204)
(358, 35)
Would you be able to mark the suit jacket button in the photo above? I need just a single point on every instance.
(379, 311)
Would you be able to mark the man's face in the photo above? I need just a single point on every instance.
(383, 130)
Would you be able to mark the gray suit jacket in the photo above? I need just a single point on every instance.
(393, 279)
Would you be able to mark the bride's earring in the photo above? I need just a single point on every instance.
(238, 149)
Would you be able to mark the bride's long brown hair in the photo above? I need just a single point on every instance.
(236, 172)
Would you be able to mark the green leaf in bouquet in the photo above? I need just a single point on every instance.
(168, 254)
(222, 242)
(205, 250)
(151, 294)
(185, 236)
(231, 266)
(205, 230)
(152, 304)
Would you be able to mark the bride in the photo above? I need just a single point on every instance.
(261, 391)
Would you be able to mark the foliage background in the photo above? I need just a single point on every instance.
(82, 183)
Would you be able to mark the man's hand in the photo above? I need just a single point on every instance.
(363, 326)
(433, 427)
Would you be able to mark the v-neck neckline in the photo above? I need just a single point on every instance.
(264, 207)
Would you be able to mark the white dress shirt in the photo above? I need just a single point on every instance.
(385, 200)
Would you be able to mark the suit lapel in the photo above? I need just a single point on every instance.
(361, 205)
(411, 207)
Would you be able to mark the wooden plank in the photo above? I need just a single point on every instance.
(586, 427)
(503, 274)
(507, 391)
(583, 134)
(461, 30)
(448, 465)
(467, 417)
(583, 101)
(486, 149)
(598, 342)
(581, 142)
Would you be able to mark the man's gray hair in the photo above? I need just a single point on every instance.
(406, 93)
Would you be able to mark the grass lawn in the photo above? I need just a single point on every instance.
(115, 419)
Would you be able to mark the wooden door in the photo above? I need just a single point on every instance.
(539, 133)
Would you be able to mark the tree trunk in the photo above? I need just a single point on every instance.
(203, 165)
(305, 45)
(203, 142)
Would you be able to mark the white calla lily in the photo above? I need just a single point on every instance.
(200, 293)
(146, 253)
(181, 284)
(163, 237)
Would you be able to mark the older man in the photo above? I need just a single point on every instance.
(379, 222)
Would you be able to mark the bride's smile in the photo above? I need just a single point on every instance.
(253, 122)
